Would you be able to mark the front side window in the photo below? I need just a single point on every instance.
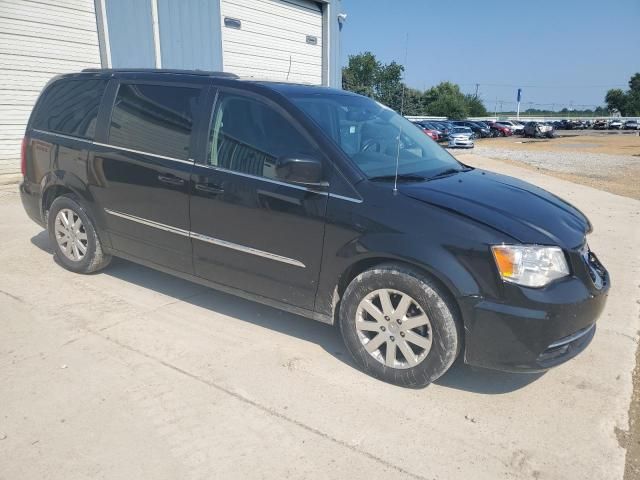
(70, 107)
(154, 119)
(374, 136)
(249, 136)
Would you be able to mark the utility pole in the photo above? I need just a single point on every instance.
(477, 85)
(495, 109)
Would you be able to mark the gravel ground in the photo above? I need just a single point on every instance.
(605, 162)
(590, 164)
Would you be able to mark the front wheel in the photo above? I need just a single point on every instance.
(75, 241)
(400, 326)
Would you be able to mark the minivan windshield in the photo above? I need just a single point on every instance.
(373, 136)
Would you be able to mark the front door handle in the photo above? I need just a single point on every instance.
(171, 180)
(209, 188)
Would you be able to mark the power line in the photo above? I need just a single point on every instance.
(541, 86)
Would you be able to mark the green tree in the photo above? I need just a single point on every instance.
(627, 103)
(365, 75)
(634, 83)
(450, 106)
(388, 85)
(413, 102)
(616, 99)
(475, 106)
(361, 73)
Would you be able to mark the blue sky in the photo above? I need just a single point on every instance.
(560, 52)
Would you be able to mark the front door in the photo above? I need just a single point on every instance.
(140, 172)
(250, 230)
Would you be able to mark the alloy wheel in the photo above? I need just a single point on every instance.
(71, 235)
(393, 328)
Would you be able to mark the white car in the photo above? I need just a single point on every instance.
(515, 127)
(617, 124)
(632, 125)
(461, 137)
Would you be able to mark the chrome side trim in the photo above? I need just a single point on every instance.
(348, 199)
(131, 150)
(264, 179)
(69, 137)
(573, 337)
(149, 223)
(242, 248)
(206, 238)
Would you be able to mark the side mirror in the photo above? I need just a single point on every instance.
(304, 170)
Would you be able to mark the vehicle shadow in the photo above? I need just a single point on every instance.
(460, 376)
(480, 380)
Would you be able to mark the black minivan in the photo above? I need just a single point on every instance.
(319, 202)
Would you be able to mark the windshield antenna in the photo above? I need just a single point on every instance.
(406, 50)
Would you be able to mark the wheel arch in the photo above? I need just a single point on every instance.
(57, 184)
(363, 264)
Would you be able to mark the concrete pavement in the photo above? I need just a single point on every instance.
(131, 373)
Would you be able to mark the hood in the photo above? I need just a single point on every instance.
(523, 211)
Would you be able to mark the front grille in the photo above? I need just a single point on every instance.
(596, 271)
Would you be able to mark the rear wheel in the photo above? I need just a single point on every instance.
(75, 241)
(399, 326)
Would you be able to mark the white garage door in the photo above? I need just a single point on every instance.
(273, 39)
(37, 41)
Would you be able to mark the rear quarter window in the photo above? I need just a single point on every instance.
(70, 107)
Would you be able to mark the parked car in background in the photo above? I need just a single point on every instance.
(615, 124)
(600, 125)
(478, 130)
(516, 128)
(436, 127)
(461, 137)
(446, 127)
(538, 129)
(486, 128)
(632, 125)
(428, 129)
(499, 129)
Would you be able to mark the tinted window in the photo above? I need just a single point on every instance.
(154, 119)
(70, 107)
(250, 136)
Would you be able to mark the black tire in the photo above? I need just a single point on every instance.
(432, 299)
(94, 258)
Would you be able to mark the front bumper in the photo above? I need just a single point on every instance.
(455, 142)
(534, 329)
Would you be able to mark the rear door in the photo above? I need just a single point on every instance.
(141, 166)
(250, 230)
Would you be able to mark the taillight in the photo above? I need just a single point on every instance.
(23, 157)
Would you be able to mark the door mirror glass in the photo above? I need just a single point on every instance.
(305, 170)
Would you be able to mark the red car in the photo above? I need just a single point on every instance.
(501, 130)
(434, 134)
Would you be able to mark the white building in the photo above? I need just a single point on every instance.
(294, 40)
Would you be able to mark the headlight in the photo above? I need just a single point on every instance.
(530, 265)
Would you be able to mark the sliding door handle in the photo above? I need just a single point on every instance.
(209, 188)
(171, 180)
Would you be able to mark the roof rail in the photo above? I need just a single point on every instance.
(204, 73)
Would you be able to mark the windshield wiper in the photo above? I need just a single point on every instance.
(402, 177)
(449, 171)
